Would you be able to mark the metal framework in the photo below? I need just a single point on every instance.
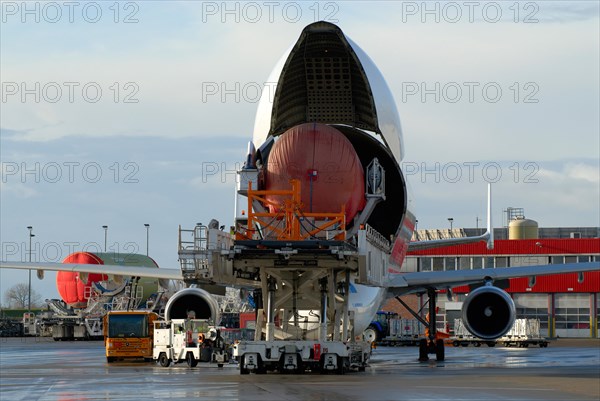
(289, 217)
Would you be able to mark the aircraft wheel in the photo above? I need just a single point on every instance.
(110, 359)
(439, 350)
(423, 351)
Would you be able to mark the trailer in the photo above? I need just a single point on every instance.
(68, 328)
(288, 356)
(523, 333)
(390, 330)
(61, 327)
(188, 340)
(10, 328)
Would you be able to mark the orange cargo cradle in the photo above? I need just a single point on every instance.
(288, 215)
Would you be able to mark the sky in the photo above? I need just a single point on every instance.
(138, 112)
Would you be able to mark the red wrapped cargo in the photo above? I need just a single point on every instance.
(70, 287)
(325, 163)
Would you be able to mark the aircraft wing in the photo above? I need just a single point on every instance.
(134, 271)
(415, 282)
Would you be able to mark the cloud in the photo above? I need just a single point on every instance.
(568, 11)
(585, 172)
(571, 172)
(18, 190)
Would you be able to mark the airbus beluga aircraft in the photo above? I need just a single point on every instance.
(324, 218)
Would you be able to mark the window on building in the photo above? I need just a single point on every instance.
(583, 258)
(572, 318)
(533, 306)
(488, 262)
(450, 263)
(570, 259)
(570, 311)
(557, 260)
(477, 262)
(425, 264)
(464, 263)
(410, 264)
(528, 260)
(502, 261)
(598, 311)
(438, 264)
(534, 313)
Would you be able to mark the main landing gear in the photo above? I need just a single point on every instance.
(431, 344)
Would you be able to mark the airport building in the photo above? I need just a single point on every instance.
(567, 305)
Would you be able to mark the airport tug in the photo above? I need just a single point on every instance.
(188, 340)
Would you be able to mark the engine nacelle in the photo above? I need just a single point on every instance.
(198, 300)
(488, 312)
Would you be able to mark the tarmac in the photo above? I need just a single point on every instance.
(41, 369)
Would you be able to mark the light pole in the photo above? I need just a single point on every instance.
(105, 236)
(31, 235)
(450, 219)
(147, 237)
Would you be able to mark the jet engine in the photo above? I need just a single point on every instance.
(196, 300)
(488, 312)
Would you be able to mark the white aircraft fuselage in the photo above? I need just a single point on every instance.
(326, 78)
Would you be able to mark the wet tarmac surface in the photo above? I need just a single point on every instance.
(33, 369)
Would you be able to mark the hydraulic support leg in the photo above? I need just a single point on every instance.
(346, 320)
(323, 322)
(271, 287)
